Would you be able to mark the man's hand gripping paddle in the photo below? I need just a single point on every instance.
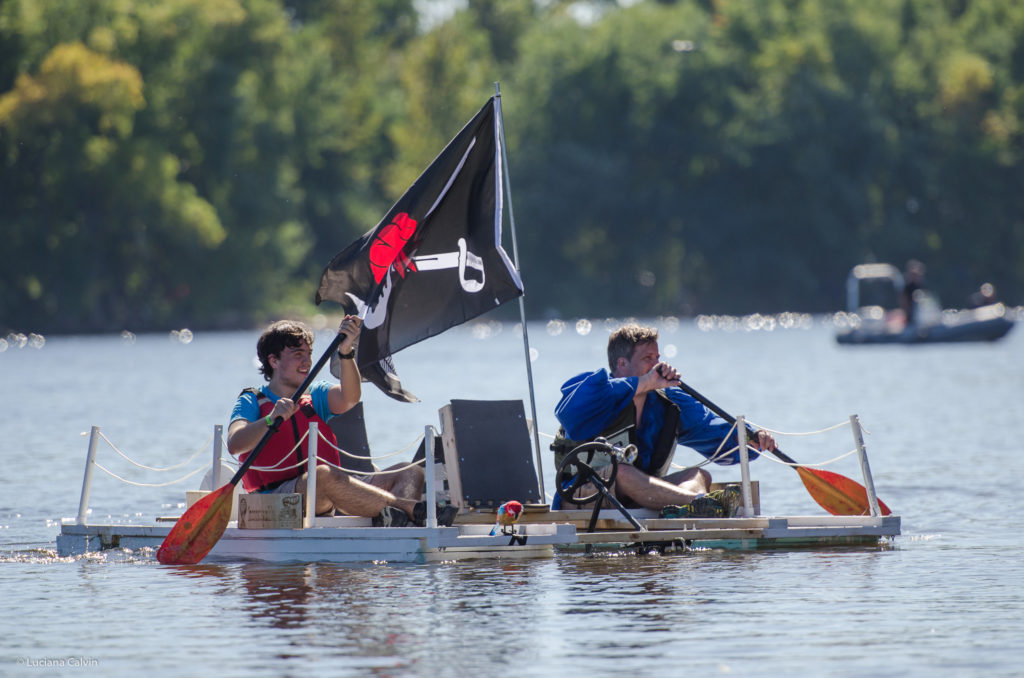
(839, 495)
(201, 526)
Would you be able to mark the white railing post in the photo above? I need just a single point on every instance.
(428, 470)
(869, 483)
(90, 463)
(741, 433)
(311, 461)
(218, 452)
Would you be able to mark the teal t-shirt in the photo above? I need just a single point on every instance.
(247, 408)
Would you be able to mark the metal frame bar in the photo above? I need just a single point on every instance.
(865, 468)
(90, 464)
(522, 304)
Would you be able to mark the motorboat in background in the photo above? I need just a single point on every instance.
(875, 316)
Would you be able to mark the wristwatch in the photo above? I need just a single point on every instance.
(347, 356)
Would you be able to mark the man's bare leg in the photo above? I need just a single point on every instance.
(337, 490)
(657, 493)
(694, 480)
(407, 483)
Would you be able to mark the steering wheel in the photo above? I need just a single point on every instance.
(578, 468)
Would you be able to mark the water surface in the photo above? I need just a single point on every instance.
(944, 598)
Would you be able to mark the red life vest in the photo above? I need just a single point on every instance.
(278, 452)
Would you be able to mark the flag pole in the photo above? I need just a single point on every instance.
(522, 304)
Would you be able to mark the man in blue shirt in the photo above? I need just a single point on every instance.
(639, 393)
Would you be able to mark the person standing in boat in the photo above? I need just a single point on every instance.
(913, 288)
(639, 394)
(285, 351)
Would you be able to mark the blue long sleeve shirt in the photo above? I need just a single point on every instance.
(591, 401)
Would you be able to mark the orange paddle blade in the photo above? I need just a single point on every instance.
(198, 529)
(838, 494)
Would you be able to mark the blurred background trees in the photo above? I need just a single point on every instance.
(168, 163)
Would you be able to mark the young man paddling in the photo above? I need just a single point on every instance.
(639, 393)
(285, 351)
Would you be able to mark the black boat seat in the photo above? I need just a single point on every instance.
(487, 453)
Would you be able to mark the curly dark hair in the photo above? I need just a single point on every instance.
(623, 342)
(276, 338)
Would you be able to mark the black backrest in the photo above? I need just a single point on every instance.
(350, 430)
(489, 443)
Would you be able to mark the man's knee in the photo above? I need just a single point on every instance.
(329, 474)
(406, 471)
(705, 477)
(416, 475)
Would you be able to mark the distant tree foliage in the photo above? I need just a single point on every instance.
(172, 163)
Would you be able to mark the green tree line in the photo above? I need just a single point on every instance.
(169, 163)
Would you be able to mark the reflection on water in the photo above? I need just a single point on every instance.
(570, 613)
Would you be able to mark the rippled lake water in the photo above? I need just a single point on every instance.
(942, 599)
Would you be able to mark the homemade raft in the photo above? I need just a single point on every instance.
(482, 457)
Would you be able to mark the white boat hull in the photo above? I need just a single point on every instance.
(332, 543)
(352, 540)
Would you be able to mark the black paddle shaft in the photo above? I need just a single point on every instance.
(338, 338)
(729, 418)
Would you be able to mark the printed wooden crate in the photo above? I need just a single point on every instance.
(269, 511)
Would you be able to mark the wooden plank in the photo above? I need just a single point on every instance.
(451, 456)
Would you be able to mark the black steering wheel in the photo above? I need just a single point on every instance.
(581, 466)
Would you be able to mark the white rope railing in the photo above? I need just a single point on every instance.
(96, 435)
(370, 458)
(150, 468)
(382, 472)
(719, 453)
(789, 434)
(321, 460)
(820, 464)
(138, 484)
(805, 433)
(342, 452)
(91, 464)
(855, 426)
(278, 466)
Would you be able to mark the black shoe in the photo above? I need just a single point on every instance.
(731, 498)
(445, 514)
(391, 516)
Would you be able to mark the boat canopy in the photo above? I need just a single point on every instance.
(881, 284)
